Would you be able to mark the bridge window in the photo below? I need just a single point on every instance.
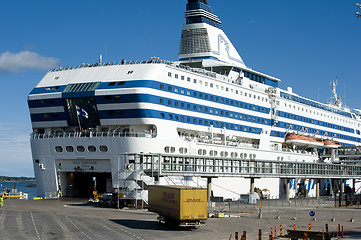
(103, 148)
(92, 148)
(69, 148)
(58, 149)
(80, 148)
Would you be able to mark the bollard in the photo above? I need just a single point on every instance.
(230, 237)
(342, 231)
(339, 228)
(309, 227)
(244, 235)
(323, 234)
(275, 231)
(281, 230)
(270, 237)
(326, 227)
(272, 232)
(260, 211)
(236, 235)
(305, 236)
(259, 234)
(294, 226)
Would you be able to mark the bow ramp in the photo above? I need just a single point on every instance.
(203, 41)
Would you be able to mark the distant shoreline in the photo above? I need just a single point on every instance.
(15, 179)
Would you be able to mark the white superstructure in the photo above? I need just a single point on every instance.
(210, 103)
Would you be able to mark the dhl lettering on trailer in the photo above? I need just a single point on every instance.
(194, 200)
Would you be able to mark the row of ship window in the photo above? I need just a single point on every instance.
(212, 153)
(208, 123)
(211, 85)
(215, 111)
(314, 104)
(313, 121)
(257, 78)
(322, 115)
(80, 148)
(200, 95)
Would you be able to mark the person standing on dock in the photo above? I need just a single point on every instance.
(1, 200)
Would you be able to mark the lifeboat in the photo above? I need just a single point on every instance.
(298, 140)
(315, 143)
(331, 144)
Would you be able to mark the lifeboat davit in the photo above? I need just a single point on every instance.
(315, 143)
(298, 140)
(331, 144)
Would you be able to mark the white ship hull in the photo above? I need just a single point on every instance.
(86, 118)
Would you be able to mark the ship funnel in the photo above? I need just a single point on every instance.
(203, 39)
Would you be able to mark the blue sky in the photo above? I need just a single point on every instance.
(306, 44)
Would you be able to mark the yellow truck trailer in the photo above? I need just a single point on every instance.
(178, 205)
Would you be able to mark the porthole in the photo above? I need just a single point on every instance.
(172, 149)
(166, 149)
(181, 150)
(80, 148)
(92, 148)
(103, 148)
(69, 148)
(59, 149)
(199, 151)
(111, 83)
(120, 83)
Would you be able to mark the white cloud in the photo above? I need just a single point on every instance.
(15, 157)
(16, 62)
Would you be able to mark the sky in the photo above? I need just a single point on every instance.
(307, 44)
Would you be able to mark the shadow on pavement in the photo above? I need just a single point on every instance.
(352, 234)
(148, 225)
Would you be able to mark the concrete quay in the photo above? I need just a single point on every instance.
(76, 219)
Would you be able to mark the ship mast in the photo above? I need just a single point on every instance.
(337, 99)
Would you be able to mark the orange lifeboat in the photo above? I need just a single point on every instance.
(315, 143)
(331, 144)
(296, 139)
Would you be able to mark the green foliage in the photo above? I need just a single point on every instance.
(14, 179)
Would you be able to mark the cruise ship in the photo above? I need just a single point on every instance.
(208, 103)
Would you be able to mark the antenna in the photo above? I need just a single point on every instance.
(100, 58)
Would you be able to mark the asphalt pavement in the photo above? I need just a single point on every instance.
(78, 219)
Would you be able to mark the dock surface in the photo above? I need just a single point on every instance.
(76, 219)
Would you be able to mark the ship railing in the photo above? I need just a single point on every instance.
(92, 134)
(150, 61)
(228, 143)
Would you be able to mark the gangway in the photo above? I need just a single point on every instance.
(159, 165)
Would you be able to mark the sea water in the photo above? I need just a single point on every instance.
(20, 186)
